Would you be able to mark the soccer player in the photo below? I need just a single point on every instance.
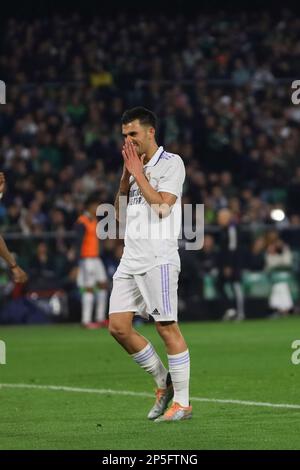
(18, 274)
(91, 271)
(146, 280)
(229, 262)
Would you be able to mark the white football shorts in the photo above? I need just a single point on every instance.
(152, 293)
(91, 271)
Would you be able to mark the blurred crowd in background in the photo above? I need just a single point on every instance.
(221, 88)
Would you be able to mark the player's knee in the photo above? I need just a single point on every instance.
(117, 330)
(89, 289)
(168, 331)
(102, 285)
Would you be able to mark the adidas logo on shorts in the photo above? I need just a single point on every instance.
(155, 312)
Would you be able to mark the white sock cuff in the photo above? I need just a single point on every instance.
(146, 353)
(179, 359)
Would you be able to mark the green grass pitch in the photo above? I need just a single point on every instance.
(248, 361)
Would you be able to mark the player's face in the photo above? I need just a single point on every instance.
(140, 135)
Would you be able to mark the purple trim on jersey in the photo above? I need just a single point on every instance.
(165, 289)
(162, 277)
(168, 156)
(168, 290)
(159, 157)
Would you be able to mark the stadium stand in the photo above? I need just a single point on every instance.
(221, 87)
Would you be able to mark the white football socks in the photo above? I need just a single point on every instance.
(179, 367)
(149, 360)
(87, 300)
(101, 305)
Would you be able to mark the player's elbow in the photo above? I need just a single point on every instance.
(163, 210)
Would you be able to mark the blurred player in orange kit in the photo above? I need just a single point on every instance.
(91, 277)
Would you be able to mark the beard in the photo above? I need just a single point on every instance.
(139, 152)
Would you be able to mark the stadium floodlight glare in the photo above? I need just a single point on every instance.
(278, 215)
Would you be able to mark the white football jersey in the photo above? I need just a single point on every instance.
(149, 240)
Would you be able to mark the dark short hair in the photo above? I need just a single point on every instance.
(144, 115)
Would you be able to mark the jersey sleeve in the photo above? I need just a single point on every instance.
(173, 178)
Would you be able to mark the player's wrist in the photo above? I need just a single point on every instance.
(139, 176)
(13, 266)
(124, 188)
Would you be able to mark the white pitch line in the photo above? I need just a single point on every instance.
(104, 391)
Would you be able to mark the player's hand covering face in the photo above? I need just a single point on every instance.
(133, 163)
